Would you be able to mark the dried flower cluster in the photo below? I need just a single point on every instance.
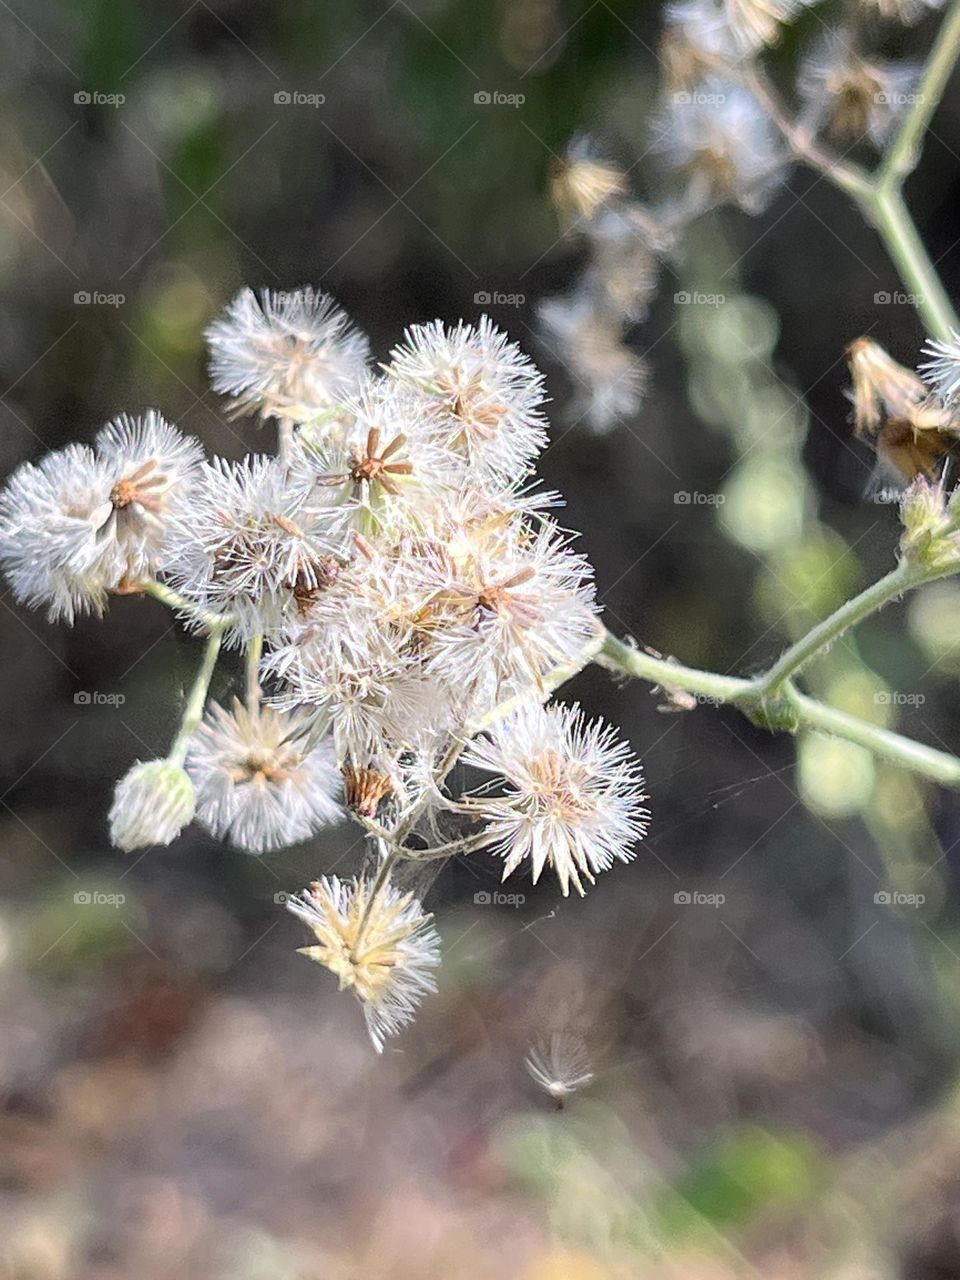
(397, 587)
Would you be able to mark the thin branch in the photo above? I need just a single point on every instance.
(904, 152)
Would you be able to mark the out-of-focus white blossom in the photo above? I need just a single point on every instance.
(285, 355)
(572, 797)
(245, 546)
(382, 948)
(851, 96)
(584, 181)
(152, 804)
(481, 396)
(905, 11)
(260, 783)
(560, 1065)
(83, 522)
(756, 23)
(723, 141)
(608, 377)
(623, 270)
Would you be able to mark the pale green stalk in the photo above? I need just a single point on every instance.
(193, 711)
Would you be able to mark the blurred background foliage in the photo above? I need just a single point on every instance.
(181, 1096)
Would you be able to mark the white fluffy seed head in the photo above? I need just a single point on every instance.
(286, 355)
(152, 467)
(480, 396)
(571, 797)
(49, 515)
(152, 804)
(508, 603)
(244, 545)
(260, 782)
(942, 371)
(376, 473)
(384, 950)
(83, 522)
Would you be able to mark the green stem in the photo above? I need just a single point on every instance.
(886, 209)
(798, 710)
(904, 152)
(901, 579)
(879, 194)
(166, 595)
(939, 766)
(254, 654)
(193, 711)
(618, 656)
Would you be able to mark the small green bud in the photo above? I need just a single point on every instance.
(151, 805)
(929, 536)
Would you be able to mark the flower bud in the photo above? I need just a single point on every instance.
(151, 805)
(929, 536)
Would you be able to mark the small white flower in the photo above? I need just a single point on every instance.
(481, 395)
(573, 795)
(608, 378)
(942, 371)
(286, 355)
(152, 804)
(260, 784)
(243, 545)
(560, 1066)
(624, 271)
(384, 951)
(703, 27)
